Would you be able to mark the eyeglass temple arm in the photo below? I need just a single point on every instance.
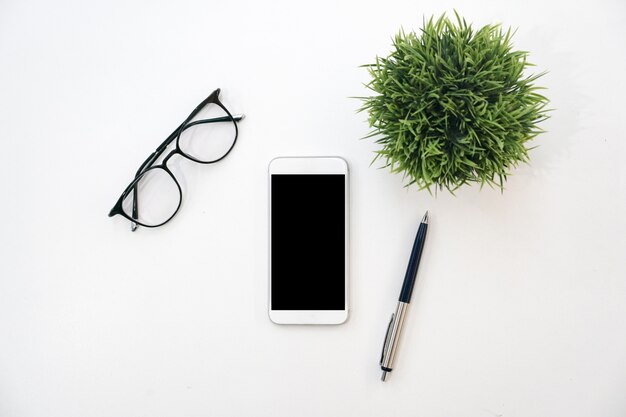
(161, 148)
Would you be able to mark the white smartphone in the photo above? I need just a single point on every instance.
(308, 256)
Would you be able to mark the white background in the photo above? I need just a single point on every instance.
(520, 307)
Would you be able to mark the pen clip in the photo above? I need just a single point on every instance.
(387, 337)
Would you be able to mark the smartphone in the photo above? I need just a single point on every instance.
(308, 227)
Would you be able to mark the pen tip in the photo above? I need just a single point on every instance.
(425, 218)
(382, 378)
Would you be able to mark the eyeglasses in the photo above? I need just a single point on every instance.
(206, 140)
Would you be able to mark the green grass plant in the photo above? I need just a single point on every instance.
(453, 105)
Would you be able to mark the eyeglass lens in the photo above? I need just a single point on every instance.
(158, 197)
(208, 142)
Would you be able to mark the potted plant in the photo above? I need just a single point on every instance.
(453, 105)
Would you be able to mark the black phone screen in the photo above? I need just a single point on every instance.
(308, 241)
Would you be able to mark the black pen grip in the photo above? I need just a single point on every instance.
(414, 261)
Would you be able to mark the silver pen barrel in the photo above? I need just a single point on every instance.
(392, 338)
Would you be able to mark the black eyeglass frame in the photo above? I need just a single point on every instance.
(147, 166)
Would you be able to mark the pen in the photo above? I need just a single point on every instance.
(394, 328)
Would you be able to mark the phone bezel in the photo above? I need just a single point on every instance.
(309, 166)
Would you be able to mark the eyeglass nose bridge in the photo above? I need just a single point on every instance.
(175, 151)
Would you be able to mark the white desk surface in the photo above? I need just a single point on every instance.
(520, 307)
